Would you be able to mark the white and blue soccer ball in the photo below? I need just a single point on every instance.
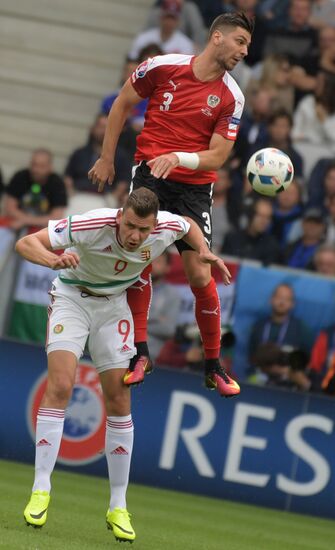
(270, 171)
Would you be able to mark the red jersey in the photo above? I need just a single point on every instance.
(183, 112)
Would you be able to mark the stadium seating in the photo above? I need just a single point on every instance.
(58, 60)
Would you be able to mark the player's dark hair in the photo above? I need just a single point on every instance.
(143, 202)
(235, 19)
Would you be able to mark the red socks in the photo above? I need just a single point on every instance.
(207, 312)
(139, 299)
(208, 316)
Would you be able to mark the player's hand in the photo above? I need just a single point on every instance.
(67, 259)
(162, 166)
(101, 173)
(210, 258)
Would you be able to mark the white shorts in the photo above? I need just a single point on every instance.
(106, 322)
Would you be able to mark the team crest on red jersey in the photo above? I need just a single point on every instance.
(85, 418)
(213, 101)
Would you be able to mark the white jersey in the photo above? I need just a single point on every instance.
(105, 266)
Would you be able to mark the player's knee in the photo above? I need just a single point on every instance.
(59, 392)
(200, 279)
(118, 403)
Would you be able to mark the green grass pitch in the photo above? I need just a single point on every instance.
(163, 520)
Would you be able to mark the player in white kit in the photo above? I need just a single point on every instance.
(107, 250)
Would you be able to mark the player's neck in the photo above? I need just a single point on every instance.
(205, 69)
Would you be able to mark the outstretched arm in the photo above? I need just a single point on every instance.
(103, 170)
(37, 249)
(210, 159)
(195, 238)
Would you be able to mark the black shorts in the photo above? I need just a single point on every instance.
(184, 199)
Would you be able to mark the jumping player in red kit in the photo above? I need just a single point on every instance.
(191, 123)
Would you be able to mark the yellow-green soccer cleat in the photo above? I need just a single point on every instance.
(118, 520)
(36, 511)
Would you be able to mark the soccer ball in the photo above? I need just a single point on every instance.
(270, 171)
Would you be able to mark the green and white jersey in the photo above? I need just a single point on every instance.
(105, 266)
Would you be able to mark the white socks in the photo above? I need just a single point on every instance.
(118, 447)
(49, 430)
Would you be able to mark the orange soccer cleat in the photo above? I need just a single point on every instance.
(139, 367)
(216, 378)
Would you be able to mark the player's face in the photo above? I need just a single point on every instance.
(231, 47)
(133, 230)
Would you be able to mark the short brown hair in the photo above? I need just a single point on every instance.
(143, 202)
(235, 19)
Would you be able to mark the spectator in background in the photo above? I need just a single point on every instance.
(296, 38)
(79, 163)
(191, 22)
(299, 254)
(274, 13)
(323, 14)
(279, 136)
(303, 76)
(164, 306)
(274, 74)
(324, 260)
(313, 132)
(314, 119)
(253, 130)
(281, 328)
(287, 215)
(136, 118)
(255, 242)
(166, 35)
(321, 183)
(36, 194)
(330, 206)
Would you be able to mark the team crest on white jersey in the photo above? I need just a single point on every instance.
(213, 101)
(145, 254)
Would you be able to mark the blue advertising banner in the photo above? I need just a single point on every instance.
(314, 303)
(268, 447)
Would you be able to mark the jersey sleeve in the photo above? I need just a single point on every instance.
(144, 77)
(173, 227)
(79, 229)
(229, 120)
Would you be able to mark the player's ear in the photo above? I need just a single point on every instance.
(119, 216)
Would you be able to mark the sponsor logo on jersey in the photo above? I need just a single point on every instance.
(213, 101)
(108, 249)
(85, 419)
(58, 329)
(141, 70)
(145, 254)
(207, 112)
(174, 86)
(60, 226)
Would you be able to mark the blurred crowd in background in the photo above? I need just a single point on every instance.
(288, 80)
